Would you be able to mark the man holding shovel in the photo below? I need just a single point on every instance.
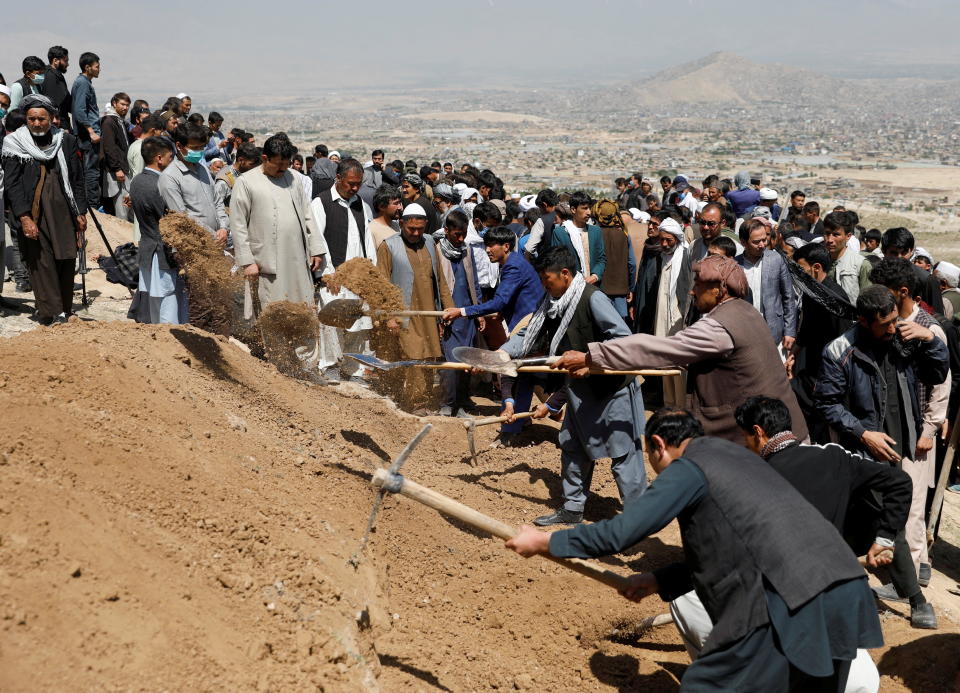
(604, 412)
(789, 601)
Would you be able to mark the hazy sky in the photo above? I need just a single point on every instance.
(286, 47)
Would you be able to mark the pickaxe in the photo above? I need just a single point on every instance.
(471, 424)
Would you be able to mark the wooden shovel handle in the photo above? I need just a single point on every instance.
(409, 313)
(455, 365)
(473, 423)
(487, 524)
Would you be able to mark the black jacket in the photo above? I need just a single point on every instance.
(114, 144)
(55, 88)
(829, 477)
(21, 179)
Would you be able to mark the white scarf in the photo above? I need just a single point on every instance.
(20, 144)
(562, 307)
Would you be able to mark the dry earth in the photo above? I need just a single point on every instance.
(176, 515)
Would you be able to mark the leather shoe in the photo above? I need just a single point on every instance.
(923, 576)
(561, 517)
(888, 593)
(923, 616)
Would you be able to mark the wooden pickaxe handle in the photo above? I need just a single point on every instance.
(473, 423)
(487, 524)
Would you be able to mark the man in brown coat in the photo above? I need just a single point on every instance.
(728, 353)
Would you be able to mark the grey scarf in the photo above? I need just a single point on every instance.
(553, 308)
(21, 145)
(450, 251)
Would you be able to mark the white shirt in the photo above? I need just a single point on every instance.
(487, 272)
(754, 281)
(354, 248)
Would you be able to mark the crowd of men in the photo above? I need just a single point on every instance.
(808, 339)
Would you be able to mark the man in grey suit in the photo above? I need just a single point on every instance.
(374, 176)
(771, 289)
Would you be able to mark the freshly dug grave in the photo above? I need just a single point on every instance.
(364, 279)
(176, 515)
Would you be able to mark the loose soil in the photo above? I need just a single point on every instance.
(287, 326)
(364, 279)
(176, 515)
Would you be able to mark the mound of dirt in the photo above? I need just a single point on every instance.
(364, 279)
(176, 515)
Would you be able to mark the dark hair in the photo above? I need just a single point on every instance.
(171, 104)
(873, 235)
(578, 199)
(770, 414)
(556, 259)
(215, 117)
(749, 226)
(797, 193)
(347, 165)
(298, 157)
(875, 302)
(500, 235)
(814, 254)
(457, 221)
(57, 53)
(899, 238)
(673, 425)
(279, 145)
(711, 181)
(811, 206)
(196, 118)
(190, 131)
(531, 215)
(238, 133)
(249, 151)
(837, 221)
(87, 59)
(33, 64)
(620, 181)
(383, 196)
(725, 244)
(651, 199)
(448, 163)
(513, 210)
(426, 171)
(894, 273)
(376, 152)
(487, 211)
(151, 122)
(152, 146)
(311, 160)
(728, 217)
(666, 179)
(15, 120)
(321, 150)
(547, 198)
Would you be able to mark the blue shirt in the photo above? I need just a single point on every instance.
(85, 111)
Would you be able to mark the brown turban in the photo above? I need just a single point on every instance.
(725, 271)
(607, 214)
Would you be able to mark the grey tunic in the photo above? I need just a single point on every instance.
(602, 428)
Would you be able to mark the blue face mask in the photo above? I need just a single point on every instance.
(193, 157)
(37, 79)
(3, 112)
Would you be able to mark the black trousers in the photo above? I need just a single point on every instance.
(52, 282)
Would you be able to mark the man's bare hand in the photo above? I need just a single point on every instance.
(221, 236)
(641, 585)
(879, 555)
(393, 325)
(529, 541)
(120, 176)
(29, 227)
(924, 445)
(252, 270)
(911, 330)
(789, 365)
(94, 138)
(451, 314)
(541, 412)
(481, 324)
(315, 262)
(788, 343)
(878, 445)
(508, 410)
(571, 361)
(82, 223)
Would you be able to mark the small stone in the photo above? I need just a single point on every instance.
(74, 570)
(523, 682)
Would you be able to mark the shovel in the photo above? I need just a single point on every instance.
(343, 312)
(500, 362)
(471, 424)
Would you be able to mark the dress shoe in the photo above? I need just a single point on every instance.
(923, 616)
(561, 517)
(888, 593)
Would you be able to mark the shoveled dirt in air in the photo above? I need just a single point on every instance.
(285, 327)
(363, 278)
(176, 515)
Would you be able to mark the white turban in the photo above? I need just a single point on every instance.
(948, 272)
(4, 89)
(670, 225)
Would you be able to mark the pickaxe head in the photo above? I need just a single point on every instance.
(470, 425)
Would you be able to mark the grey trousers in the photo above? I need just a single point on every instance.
(576, 469)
